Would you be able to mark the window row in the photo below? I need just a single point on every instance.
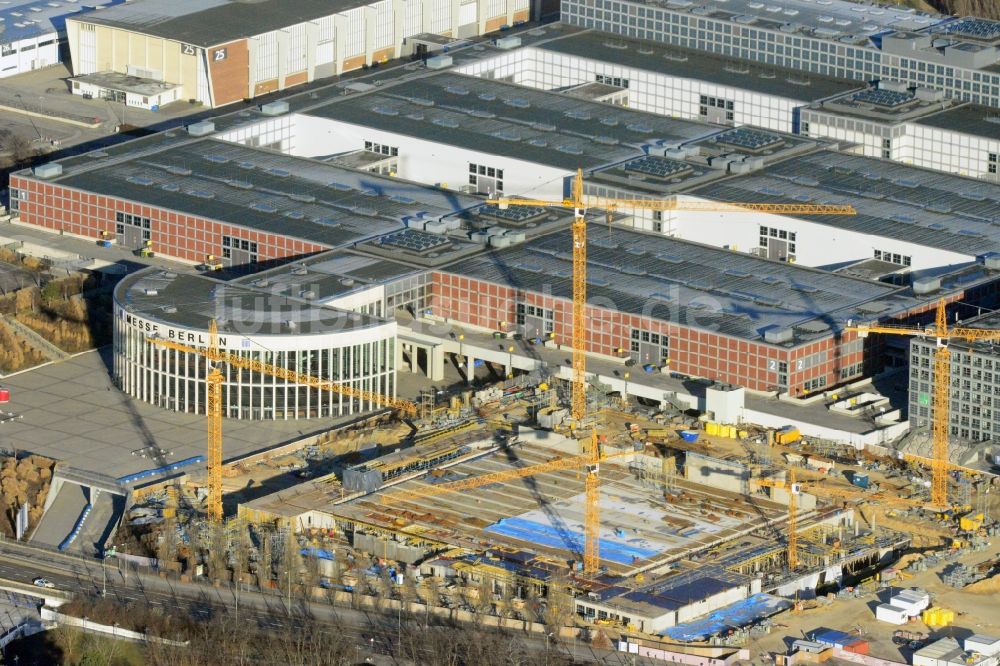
(132, 220)
(893, 257)
(381, 149)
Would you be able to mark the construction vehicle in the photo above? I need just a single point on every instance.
(942, 334)
(213, 382)
(787, 435)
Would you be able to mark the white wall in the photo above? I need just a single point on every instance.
(424, 161)
(816, 244)
(946, 150)
(27, 54)
(664, 94)
(935, 148)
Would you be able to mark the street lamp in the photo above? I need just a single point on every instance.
(626, 385)
(28, 113)
(510, 361)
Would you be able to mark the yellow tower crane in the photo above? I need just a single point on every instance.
(579, 202)
(214, 381)
(793, 535)
(589, 460)
(942, 334)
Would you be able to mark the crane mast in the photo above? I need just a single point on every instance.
(214, 356)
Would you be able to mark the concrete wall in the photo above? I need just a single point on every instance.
(683, 657)
(49, 615)
(713, 603)
(722, 474)
(858, 440)
(115, 50)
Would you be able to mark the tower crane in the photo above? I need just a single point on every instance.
(942, 334)
(213, 382)
(579, 202)
(590, 460)
(793, 489)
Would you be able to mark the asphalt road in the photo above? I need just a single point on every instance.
(373, 633)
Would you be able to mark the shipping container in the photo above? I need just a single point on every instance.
(891, 614)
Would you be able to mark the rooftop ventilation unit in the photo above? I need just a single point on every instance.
(506, 43)
(50, 170)
(439, 62)
(201, 128)
(777, 336)
(275, 108)
(926, 285)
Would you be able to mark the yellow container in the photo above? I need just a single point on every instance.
(971, 523)
(711, 428)
(938, 617)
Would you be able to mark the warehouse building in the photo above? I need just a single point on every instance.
(219, 204)
(258, 187)
(891, 120)
(670, 81)
(842, 39)
(482, 135)
(219, 52)
(912, 219)
(470, 134)
(33, 32)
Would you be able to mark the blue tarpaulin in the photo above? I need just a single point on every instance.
(740, 614)
(320, 553)
(546, 535)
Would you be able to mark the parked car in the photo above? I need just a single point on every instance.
(42, 582)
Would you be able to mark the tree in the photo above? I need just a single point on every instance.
(560, 604)
(18, 147)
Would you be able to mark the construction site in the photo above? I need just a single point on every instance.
(585, 413)
(487, 502)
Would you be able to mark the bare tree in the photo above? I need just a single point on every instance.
(18, 147)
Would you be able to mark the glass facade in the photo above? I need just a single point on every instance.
(175, 380)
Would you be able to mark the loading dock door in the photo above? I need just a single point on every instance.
(129, 237)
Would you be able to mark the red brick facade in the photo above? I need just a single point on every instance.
(694, 352)
(700, 353)
(188, 237)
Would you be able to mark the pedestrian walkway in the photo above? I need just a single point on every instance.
(49, 350)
